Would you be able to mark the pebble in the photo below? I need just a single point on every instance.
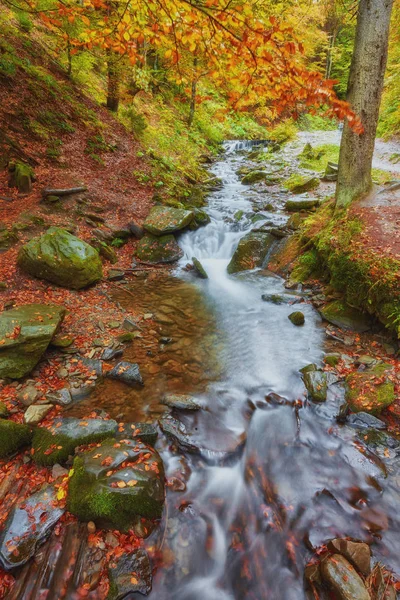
(91, 527)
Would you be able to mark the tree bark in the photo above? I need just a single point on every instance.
(193, 95)
(113, 81)
(364, 94)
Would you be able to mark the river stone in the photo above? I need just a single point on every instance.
(36, 413)
(146, 432)
(55, 444)
(357, 553)
(115, 483)
(345, 317)
(251, 252)
(25, 333)
(316, 383)
(298, 205)
(180, 401)
(61, 258)
(175, 429)
(201, 218)
(370, 391)
(301, 184)
(200, 270)
(111, 353)
(127, 372)
(363, 420)
(165, 219)
(343, 579)
(332, 359)
(297, 318)
(3, 410)
(381, 584)
(254, 177)
(28, 526)
(281, 299)
(62, 397)
(152, 249)
(13, 436)
(130, 573)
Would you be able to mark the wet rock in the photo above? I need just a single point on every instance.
(297, 318)
(164, 219)
(363, 420)
(36, 413)
(61, 258)
(28, 395)
(115, 483)
(357, 553)
(199, 269)
(55, 444)
(130, 325)
(342, 579)
(13, 436)
(332, 359)
(25, 333)
(127, 372)
(201, 218)
(366, 361)
(154, 250)
(94, 365)
(345, 317)
(370, 391)
(316, 383)
(309, 368)
(251, 252)
(381, 584)
(254, 177)
(298, 205)
(136, 230)
(129, 574)
(111, 353)
(146, 432)
(180, 402)
(312, 574)
(28, 526)
(176, 430)
(62, 397)
(61, 340)
(281, 299)
(58, 471)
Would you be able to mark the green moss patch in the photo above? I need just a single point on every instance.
(13, 436)
(370, 391)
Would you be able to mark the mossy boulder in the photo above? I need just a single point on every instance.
(165, 219)
(298, 184)
(297, 318)
(25, 333)
(299, 205)
(21, 177)
(13, 436)
(371, 390)
(254, 177)
(316, 383)
(55, 444)
(201, 218)
(116, 483)
(7, 238)
(61, 258)
(199, 269)
(3, 410)
(340, 314)
(152, 249)
(251, 252)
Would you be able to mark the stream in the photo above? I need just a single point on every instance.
(274, 475)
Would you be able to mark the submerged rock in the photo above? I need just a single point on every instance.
(316, 383)
(28, 526)
(13, 436)
(25, 333)
(127, 373)
(54, 444)
(175, 429)
(297, 318)
(180, 401)
(200, 270)
(345, 317)
(165, 219)
(117, 482)
(281, 299)
(342, 579)
(358, 553)
(363, 420)
(146, 432)
(130, 573)
(370, 391)
(154, 250)
(251, 252)
(61, 258)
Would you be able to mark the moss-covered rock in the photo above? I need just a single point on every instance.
(55, 444)
(25, 333)
(200, 270)
(316, 383)
(153, 249)
(332, 359)
(21, 177)
(297, 318)
(299, 205)
(61, 258)
(298, 184)
(254, 177)
(3, 410)
(13, 436)
(340, 314)
(251, 252)
(371, 390)
(201, 218)
(7, 238)
(117, 482)
(165, 219)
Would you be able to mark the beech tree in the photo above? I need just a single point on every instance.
(364, 94)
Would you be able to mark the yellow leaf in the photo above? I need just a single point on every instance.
(61, 494)
(127, 37)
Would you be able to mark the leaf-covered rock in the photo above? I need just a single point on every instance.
(298, 184)
(153, 249)
(251, 252)
(61, 258)
(129, 574)
(54, 444)
(117, 482)
(342, 579)
(25, 333)
(370, 391)
(13, 436)
(165, 219)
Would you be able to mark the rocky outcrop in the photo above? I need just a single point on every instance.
(251, 252)
(152, 249)
(61, 258)
(340, 314)
(25, 333)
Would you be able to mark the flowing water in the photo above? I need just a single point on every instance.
(275, 475)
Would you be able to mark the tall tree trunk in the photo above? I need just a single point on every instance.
(193, 95)
(364, 93)
(329, 57)
(113, 80)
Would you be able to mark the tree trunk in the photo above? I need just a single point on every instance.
(113, 81)
(364, 94)
(193, 95)
(329, 57)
